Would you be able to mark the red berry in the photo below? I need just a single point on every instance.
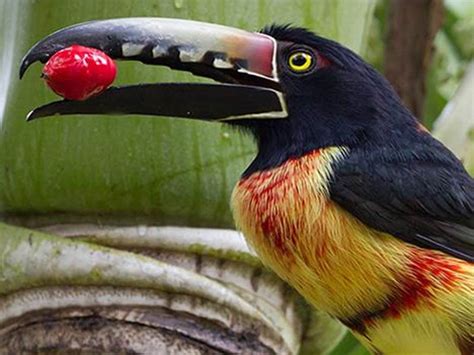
(77, 72)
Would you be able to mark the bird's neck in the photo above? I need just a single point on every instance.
(319, 121)
(293, 138)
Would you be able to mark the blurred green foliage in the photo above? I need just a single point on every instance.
(349, 345)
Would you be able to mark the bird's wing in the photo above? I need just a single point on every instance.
(426, 202)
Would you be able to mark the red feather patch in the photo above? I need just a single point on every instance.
(428, 271)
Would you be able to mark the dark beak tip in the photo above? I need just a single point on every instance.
(25, 64)
(30, 58)
(26, 61)
(23, 68)
(32, 115)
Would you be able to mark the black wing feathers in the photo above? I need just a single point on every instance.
(421, 194)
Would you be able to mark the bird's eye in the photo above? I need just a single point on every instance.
(300, 62)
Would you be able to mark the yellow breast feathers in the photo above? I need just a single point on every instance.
(366, 278)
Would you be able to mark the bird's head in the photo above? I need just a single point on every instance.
(293, 90)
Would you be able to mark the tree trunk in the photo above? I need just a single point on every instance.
(148, 290)
(413, 25)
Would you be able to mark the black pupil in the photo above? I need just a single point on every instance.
(299, 60)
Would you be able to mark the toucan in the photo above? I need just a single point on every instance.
(349, 199)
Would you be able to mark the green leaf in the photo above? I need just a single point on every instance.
(349, 346)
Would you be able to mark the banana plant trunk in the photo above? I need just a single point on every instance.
(117, 234)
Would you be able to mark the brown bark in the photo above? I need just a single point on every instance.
(412, 27)
(135, 329)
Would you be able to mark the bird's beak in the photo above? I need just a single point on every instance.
(244, 62)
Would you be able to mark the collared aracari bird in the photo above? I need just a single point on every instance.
(349, 198)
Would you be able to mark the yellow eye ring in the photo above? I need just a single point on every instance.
(300, 62)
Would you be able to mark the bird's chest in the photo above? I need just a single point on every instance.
(329, 256)
(288, 218)
(341, 265)
(277, 209)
